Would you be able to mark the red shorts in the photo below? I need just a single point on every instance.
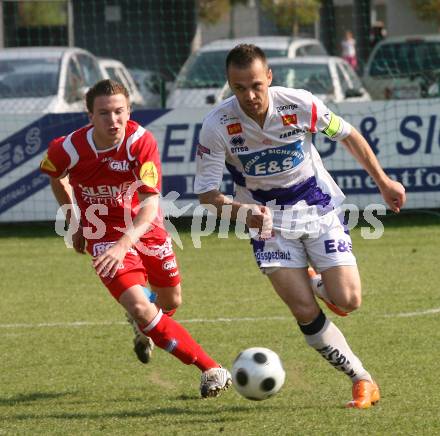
(151, 260)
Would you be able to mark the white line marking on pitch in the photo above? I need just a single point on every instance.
(408, 314)
(100, 323)
(188, 321)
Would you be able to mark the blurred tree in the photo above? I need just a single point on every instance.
(52, 13)
(210, 11)
(427, 10)
(289, 14)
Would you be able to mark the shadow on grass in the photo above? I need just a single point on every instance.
(182, 414)
(28, 230)
(185, 397)
(34, 396)
(194, 415)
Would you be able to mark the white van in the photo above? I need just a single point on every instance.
(202, 77)
(46, 79)
(330, 78)
(404, 67)
(117, 71)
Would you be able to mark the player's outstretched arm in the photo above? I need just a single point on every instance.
(62, 191)
(392, 191)
(255, 216)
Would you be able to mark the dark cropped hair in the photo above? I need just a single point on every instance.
(243, 55)
(104, 87)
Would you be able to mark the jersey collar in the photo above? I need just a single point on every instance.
(93, 146)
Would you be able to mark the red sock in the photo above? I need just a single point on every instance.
(172, 337)
(169, 312)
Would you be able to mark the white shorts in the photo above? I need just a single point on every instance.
(330, 246)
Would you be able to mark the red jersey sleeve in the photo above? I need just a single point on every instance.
(147, 163)
(56, 161)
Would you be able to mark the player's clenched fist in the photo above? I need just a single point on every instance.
(259, 219)
(394, 195)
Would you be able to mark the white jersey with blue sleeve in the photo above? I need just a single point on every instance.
(276, 165)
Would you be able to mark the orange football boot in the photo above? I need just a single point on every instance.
(365, 394)
(335, 309)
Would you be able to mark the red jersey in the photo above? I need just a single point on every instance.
(104, 177)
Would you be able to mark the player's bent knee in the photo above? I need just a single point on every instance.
(139, 312)
(172, 303)
(354, 302)
(170, 298)
(350, 302)
(176, 297)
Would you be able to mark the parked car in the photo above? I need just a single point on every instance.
(404, 67)
(116, 70)
(330, 78)
(46, 79)
(149, 85)
(202, 77)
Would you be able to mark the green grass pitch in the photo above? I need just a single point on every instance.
(67, 366)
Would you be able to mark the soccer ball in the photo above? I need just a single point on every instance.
(257, 373)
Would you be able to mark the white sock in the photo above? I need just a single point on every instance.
(328, 340)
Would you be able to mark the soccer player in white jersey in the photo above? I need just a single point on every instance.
(264, 136)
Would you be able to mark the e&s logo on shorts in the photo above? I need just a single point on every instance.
(149, 175)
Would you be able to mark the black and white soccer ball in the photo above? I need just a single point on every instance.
(257, 373)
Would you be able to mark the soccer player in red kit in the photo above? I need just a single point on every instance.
(112, 165)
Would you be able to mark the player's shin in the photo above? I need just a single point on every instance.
(322, 335)
(174, 338)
